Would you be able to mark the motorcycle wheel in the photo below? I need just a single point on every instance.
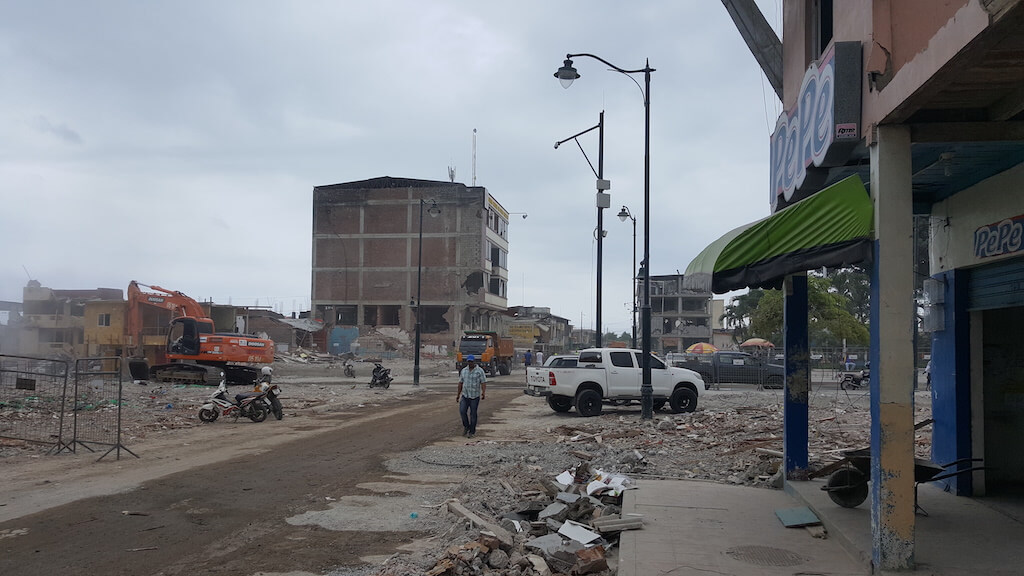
(207, 415)
(387, 384)
(275, 404)
(257, 412)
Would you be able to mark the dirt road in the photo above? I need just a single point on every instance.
(229, 516)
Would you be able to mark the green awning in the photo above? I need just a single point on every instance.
(833, 228)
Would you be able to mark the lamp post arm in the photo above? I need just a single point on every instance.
(577, 135)
(647, 68)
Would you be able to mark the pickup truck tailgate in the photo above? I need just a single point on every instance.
(537, 382)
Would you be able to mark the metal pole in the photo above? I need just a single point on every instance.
(646, 390)
(633, 287)
(419, 285)
(600, 223)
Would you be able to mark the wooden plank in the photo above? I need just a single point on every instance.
(504, 536)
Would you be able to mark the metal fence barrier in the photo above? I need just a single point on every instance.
(33, 401)
(96, 406)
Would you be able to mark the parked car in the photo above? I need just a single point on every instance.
(562, 361)
(726, 366)
(612, 374)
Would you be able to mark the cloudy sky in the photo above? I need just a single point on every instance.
(178, 143)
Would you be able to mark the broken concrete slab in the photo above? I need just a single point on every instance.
(555, 510)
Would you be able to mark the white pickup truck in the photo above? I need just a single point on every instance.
(612, 375)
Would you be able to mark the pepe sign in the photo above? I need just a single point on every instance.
(822, 129)
(1003, 237)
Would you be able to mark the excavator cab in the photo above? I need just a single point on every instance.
(183, 338)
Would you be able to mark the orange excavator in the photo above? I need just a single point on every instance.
(193, 352)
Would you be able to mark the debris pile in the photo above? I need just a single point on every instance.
(565, 525)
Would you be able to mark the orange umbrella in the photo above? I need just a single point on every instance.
(757, 343)
(701, 348)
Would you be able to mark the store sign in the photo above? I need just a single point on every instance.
(1005, 237)
(824, 127)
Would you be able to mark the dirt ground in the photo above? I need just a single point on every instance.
(353, 480)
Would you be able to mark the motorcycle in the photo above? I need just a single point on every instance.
(381, 376)
(854, 380)
(267, 393)
(252, 407)
(350, 369)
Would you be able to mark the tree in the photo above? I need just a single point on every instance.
(737, 314)
(829, 320)
(854, 284)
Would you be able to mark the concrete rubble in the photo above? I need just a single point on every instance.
(550, 528)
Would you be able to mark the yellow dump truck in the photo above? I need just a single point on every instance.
(492, 352)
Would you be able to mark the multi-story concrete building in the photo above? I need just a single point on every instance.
(680, 314)
(54, 321)
(367, 267)
(536, 328)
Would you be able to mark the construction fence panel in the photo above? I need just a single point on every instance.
(33, 400)
(96, 407)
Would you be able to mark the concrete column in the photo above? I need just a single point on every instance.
(798, 376)
(892, 353)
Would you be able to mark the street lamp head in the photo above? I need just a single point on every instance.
(434, 209)
(624, 213)
(566, 74)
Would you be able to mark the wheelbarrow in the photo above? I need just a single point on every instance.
(848, 484)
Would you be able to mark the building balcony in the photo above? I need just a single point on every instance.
(52, 321)
(495, 300)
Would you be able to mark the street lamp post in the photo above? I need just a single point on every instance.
(623, 214)
(566, 74)
(433, 211)
(603, 201)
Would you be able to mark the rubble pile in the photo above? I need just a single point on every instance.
(513, 517)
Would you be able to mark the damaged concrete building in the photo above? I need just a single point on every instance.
(368, 275)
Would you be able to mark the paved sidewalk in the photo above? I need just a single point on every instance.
(694, 527)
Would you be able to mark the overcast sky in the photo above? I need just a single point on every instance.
(178, 143)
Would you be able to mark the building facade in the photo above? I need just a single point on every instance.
(680, 314)
(54, 322)
(370, 270)
(536, 328)
(896, 111)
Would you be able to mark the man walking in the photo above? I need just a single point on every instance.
(472, 389)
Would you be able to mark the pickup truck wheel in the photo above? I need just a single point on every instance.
(683, 400)
(560, 403)
(588, 403)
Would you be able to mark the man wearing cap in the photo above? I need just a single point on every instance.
(472, 389)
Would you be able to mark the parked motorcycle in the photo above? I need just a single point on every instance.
(252, 407)
(267, 393)
(350, 369)
(381, 376)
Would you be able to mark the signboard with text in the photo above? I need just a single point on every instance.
(821, 130)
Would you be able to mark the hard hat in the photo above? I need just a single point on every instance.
(266, 370)
(470, 358)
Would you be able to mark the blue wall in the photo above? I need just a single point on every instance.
(951, 380)
(340, 339)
